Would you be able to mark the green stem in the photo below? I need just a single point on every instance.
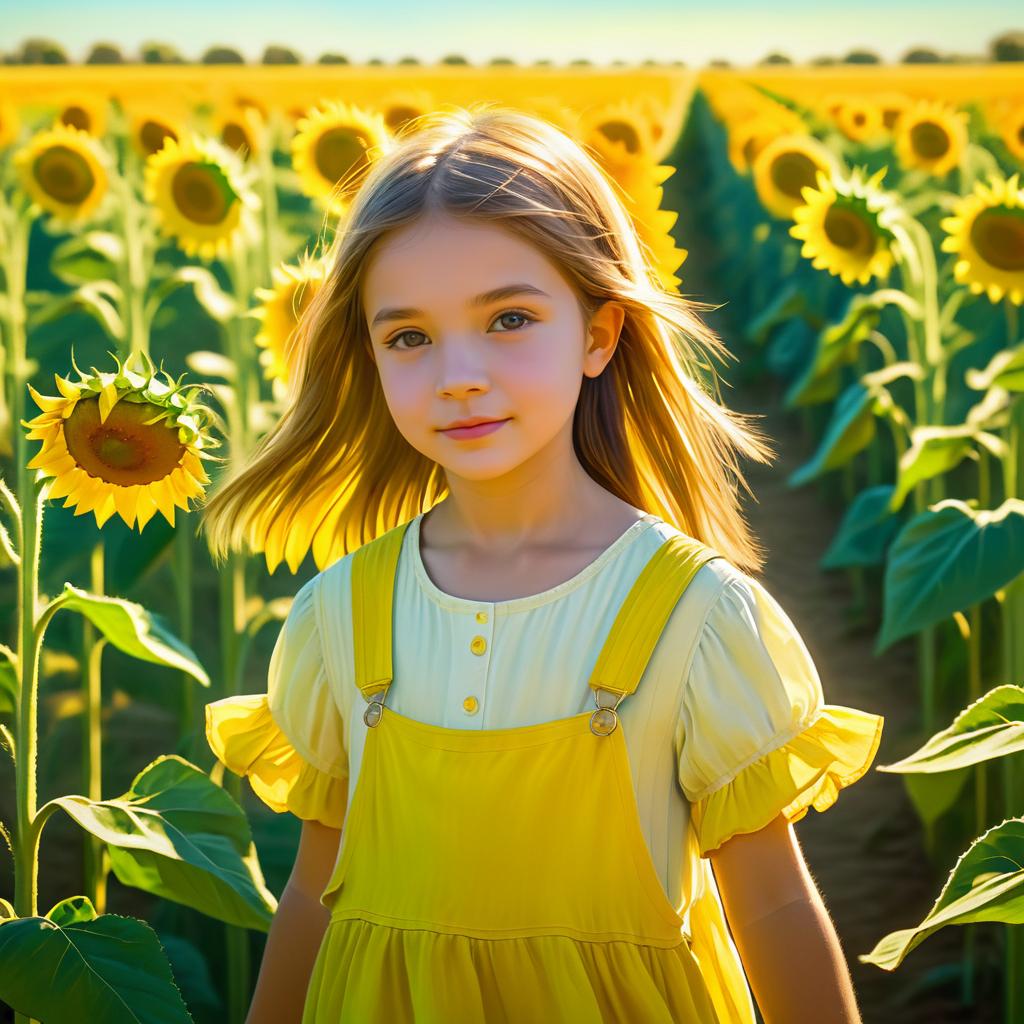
(133, 271)
(183, 583)
(27, 502)
(92, 735)
(268, 196)
(233, 592)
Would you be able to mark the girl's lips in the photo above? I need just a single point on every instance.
(479, 430)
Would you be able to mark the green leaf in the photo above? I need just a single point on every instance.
(133, 629)
(946, 559)
(993, 726)
(92, 256)
(839, 343)
(865, 532)
(111, 969)
(986, 884)
(211, 364)
(98, 298)
(992, 411)
(1005, 370)
(789, 301)
(192, 974)
(932, 452)
(178, 835)
(849, 431)
(221, 306)
(73, 910)
(935, 773)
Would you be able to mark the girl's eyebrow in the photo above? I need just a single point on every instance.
(483, 299)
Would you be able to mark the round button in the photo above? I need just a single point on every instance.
(479, 645)
(470, 704)
(481, 616)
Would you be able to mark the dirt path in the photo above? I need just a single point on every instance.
(866, 851)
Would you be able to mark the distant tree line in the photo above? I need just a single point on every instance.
(1007, 47)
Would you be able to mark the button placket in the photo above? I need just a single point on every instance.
(478, 645)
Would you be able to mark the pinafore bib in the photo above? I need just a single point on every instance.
(502, 875)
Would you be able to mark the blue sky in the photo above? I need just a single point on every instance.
(741, 31)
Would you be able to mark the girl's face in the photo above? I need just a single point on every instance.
(468, 321)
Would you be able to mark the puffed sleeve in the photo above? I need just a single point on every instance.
(754, 737)
(289, 741)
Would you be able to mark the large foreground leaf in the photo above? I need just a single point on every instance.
(109, 969)
(179, 835)
(987, 884)
(946, 559)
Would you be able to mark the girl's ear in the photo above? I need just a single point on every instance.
(603, 336)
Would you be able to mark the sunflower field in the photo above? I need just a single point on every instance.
(866, 228)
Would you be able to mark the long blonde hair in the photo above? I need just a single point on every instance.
(336, 469)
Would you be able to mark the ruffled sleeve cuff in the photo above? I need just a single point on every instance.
(245, 737)
(808, 770)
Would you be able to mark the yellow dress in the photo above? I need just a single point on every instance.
(501, 874)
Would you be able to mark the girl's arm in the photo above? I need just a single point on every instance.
(296, 931)
(789, 948)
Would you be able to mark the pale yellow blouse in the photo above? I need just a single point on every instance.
(727, 728)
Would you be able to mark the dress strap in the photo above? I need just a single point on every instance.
(373, 594)
(641, 619)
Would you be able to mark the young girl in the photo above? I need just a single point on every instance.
(534, 698)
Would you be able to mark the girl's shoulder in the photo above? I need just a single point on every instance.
(710, 580)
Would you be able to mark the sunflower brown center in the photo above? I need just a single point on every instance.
(890, 115)
(792, 171)
(153, 134)
(76, 117)
(1020, 133)
(998, 237)
(124, 450)
(234, 135)
(622, 131)
(848, 231)
(64, 175)
(202, 192)
(398, 116)
(339, 152)
(930, 140)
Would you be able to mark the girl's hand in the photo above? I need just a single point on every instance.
(789, 948)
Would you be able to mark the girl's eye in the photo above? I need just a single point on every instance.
(509, 312)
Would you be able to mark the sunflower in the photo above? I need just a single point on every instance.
(1011, 128)
(748, 136)
(239, 129)
(10, 123)
(931, 136)
(845, 226)
(860, 119)
(402, 106)
(64, 171)
(201, 194)
(333, 146)
(785, 166)
(123, 442)
(85, 113)
(151, 128)
(892, 105)
(620, 131)
(987, 230)
(280, 310)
